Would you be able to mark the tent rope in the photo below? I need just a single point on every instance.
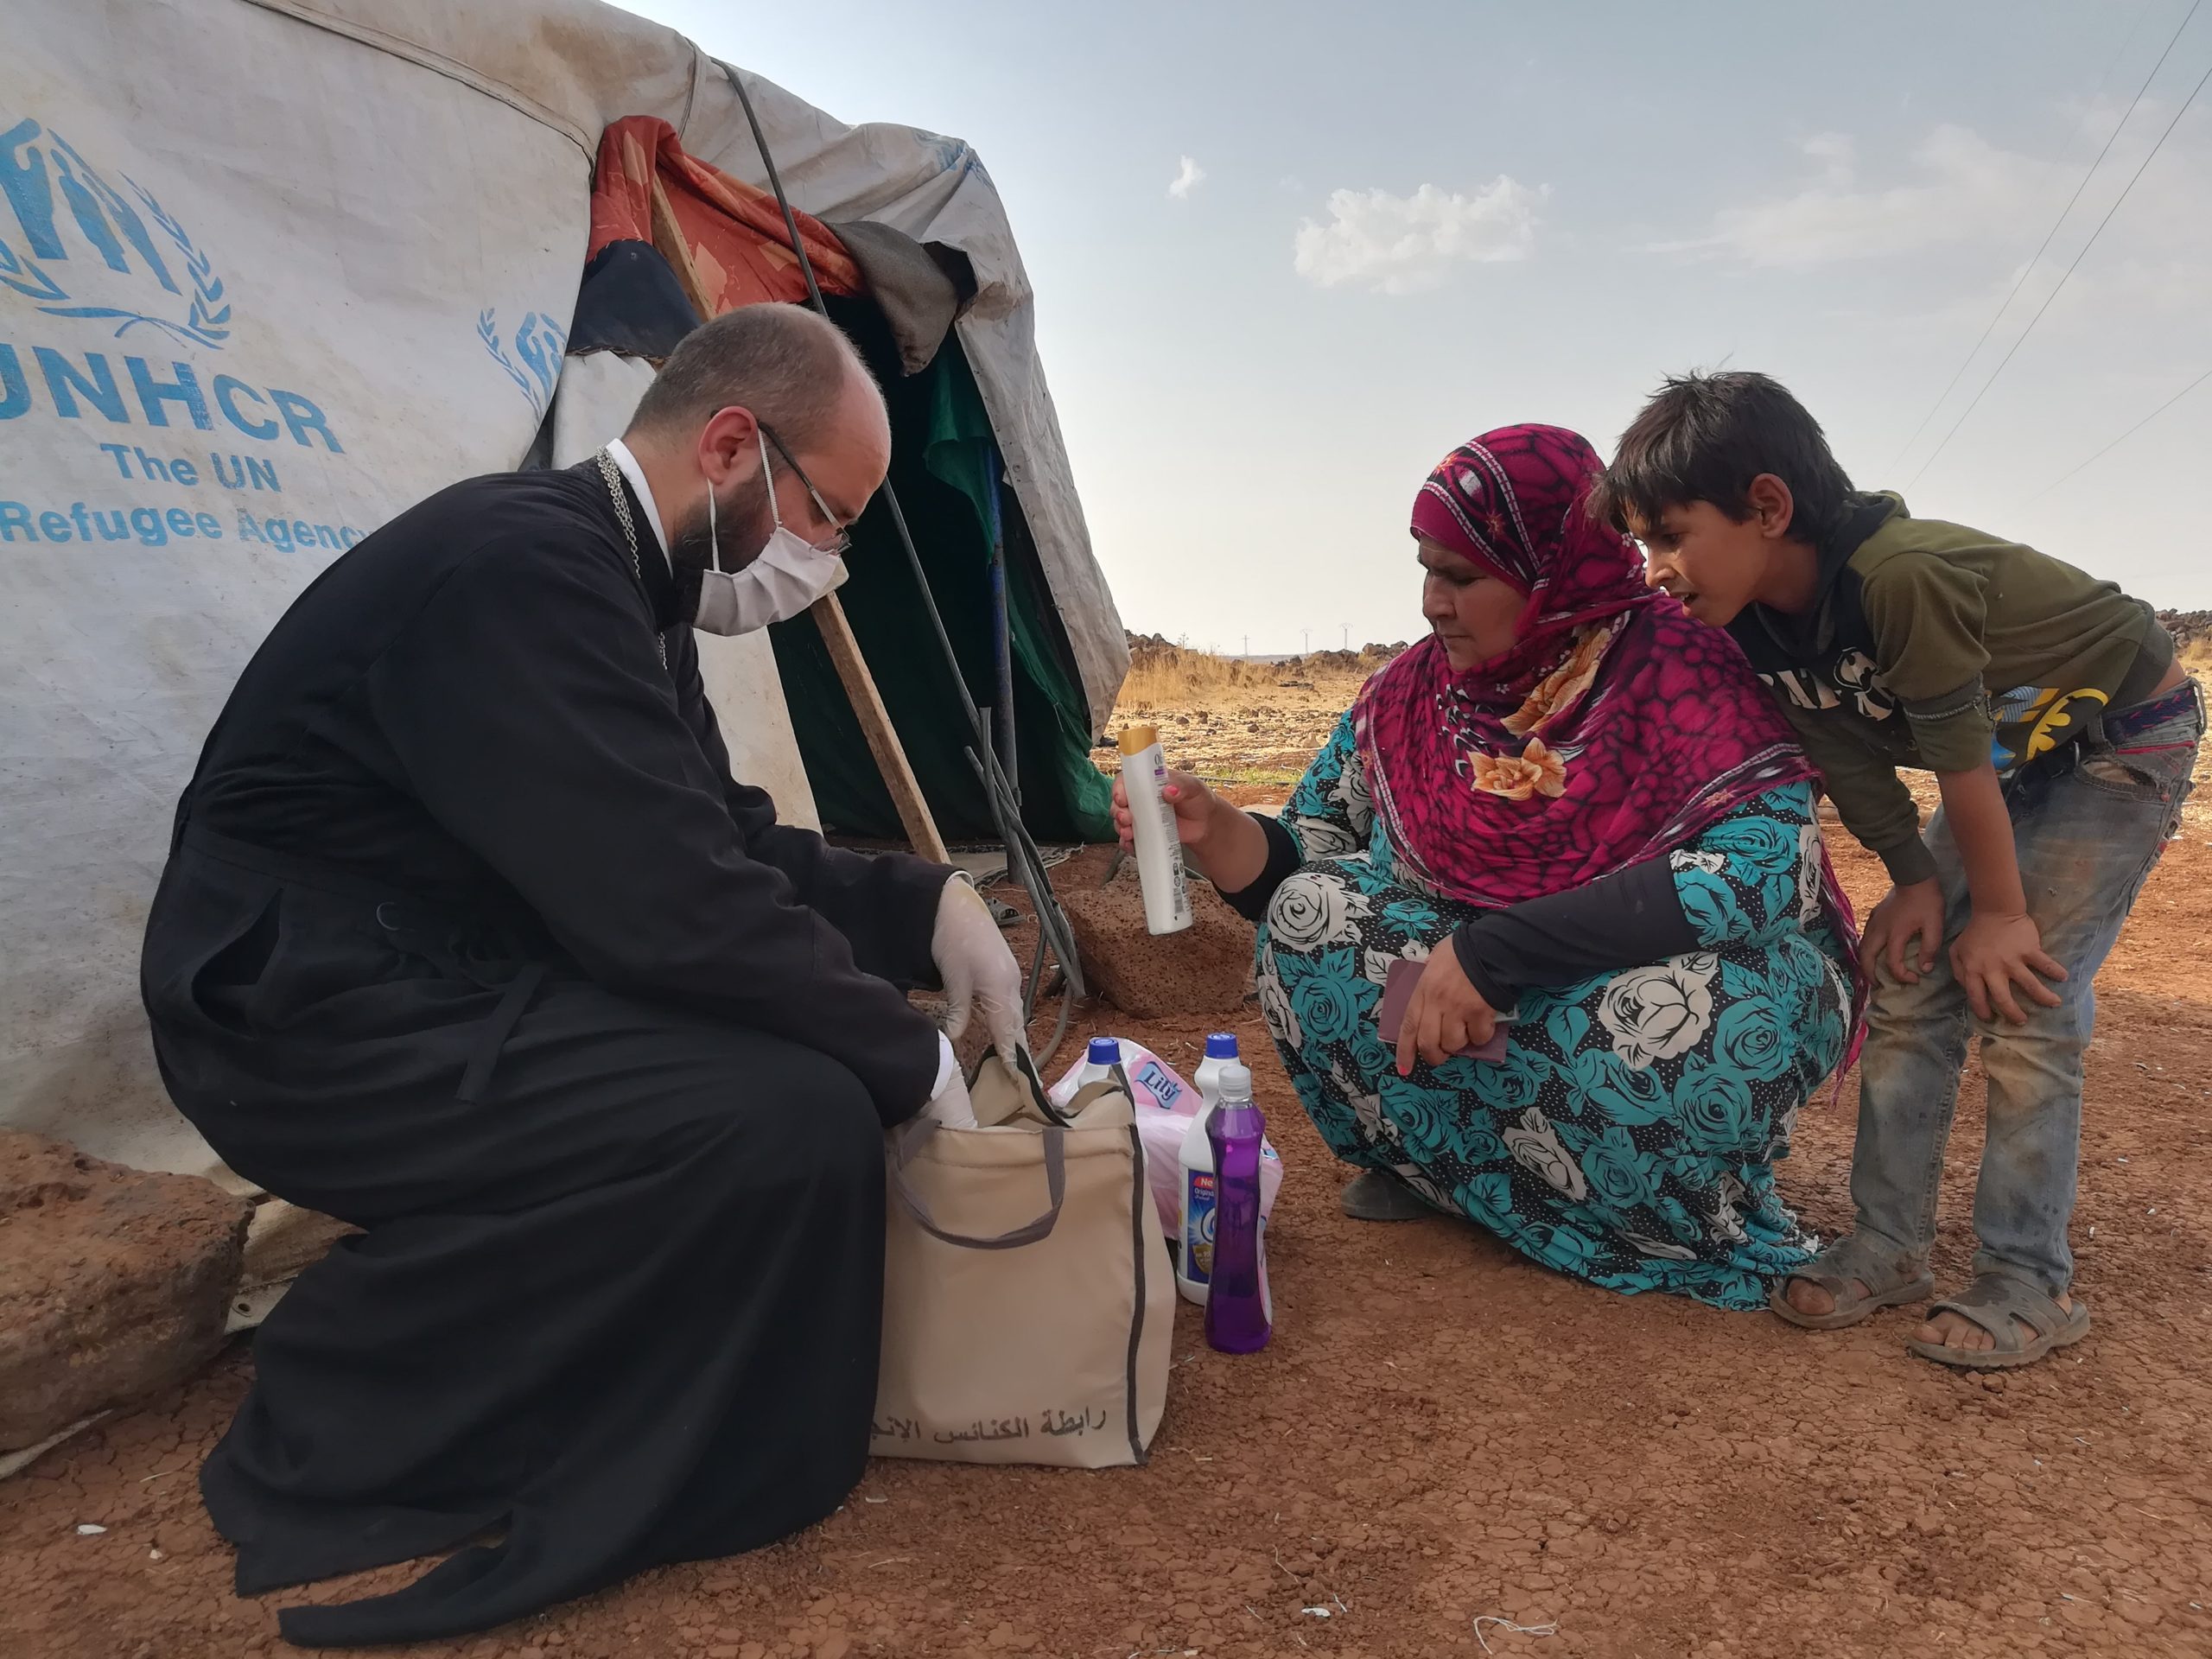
(1021, 850)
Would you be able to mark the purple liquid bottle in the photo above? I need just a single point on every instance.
(1238, 1316)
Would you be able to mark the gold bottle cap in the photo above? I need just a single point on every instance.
(1135, 739)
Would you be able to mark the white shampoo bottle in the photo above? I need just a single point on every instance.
(1160, 851)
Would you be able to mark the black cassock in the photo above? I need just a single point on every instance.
(468, 936)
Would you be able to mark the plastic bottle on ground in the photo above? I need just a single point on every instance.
(1239, 1317)
(1195, 1176)
(1098, 1063)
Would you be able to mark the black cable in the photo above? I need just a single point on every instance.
(997, 791)
(2070, 269)
(2124, 436)
(2036, 258)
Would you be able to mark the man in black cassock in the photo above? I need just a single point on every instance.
(469, 937)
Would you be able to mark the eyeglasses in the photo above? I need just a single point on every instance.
(841, 543)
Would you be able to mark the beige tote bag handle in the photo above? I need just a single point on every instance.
(908, 1141)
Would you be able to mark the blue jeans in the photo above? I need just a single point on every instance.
(2090, 824)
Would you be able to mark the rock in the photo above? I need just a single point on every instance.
(113, 1282)
(1204, 970)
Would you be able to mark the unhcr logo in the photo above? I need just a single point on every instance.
(79, 248)
(73, 245)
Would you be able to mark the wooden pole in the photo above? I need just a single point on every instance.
(891, 762)
(875, 725)
(668, 238)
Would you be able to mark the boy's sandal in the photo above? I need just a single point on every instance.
(2001, 1305)
(1890, 1281)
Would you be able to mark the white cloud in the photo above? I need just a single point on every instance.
(1187, 179)
(1402, 244)
(1963, 188)
(1836, 150)
(1960, 190)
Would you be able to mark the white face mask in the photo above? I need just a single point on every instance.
(786, 578)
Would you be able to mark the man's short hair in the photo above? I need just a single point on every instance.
(1705, 437)
(786, 364)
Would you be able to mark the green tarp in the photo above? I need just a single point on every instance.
(945, 465)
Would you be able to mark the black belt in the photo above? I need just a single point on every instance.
(453, 946)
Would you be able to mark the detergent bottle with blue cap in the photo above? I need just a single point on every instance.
(1098, 1063)
(1199, 1190)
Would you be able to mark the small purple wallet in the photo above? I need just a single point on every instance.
(1398, 991)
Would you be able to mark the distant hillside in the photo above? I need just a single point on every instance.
(2192, 632)
(1163, 671)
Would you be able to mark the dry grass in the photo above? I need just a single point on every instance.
(1164, 675)
(1170, 677)
(1248, 728)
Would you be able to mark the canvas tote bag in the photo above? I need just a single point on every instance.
(1029, 1305)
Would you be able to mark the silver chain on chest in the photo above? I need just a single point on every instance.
(612, 475)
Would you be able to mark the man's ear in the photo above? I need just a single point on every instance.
(729, 445)
(1772, 505)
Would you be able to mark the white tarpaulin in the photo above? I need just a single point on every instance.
(270, 271)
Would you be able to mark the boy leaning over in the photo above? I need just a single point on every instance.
(2062, 733)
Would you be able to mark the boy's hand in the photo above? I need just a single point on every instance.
(1999, 947)
(1906, 914)
(1996, 953)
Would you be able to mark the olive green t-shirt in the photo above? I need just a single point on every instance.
(1936, 646)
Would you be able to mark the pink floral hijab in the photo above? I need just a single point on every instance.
(1615, 728)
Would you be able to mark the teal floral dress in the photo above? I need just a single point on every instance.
(1630, 1133)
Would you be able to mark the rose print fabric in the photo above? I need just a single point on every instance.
(1630, 1134)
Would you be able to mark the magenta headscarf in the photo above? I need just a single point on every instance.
(1615, 728)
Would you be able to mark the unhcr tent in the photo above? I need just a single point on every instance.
(270, 270)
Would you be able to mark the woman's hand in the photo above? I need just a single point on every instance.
(1221, 843)
(1994, 954)
(1195, 806)
(1906, 913)
(1446, 1014)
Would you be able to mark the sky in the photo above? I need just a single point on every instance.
(1285, 257)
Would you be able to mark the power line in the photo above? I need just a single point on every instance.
(2036, 258)
(2063, 281)
(2126, 435)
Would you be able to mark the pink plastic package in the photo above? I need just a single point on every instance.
(1165, 1104)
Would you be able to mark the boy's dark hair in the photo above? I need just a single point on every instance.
(1705, 437)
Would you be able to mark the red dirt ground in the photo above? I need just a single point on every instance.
(1441, 1434)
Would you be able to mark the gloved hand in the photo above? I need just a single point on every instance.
(950, 1106)
(973, 960)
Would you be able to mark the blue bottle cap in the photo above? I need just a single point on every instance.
(1220, 1045)
(1105, 1051)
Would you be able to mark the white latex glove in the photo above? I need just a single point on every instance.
(950, 1106)
(973, 960)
